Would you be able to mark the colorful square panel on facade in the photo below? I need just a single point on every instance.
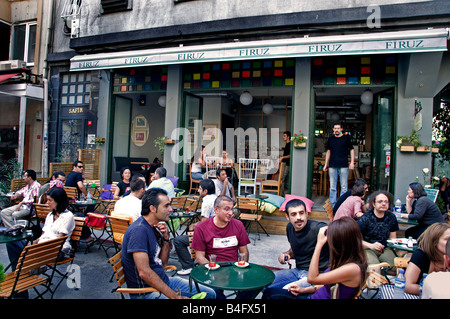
(329, 80)
(289, 72)
(365, 80)
(289, 82)
(257, 65)
(132, 72)
(245, 74)
(390, 70)
(206, 67)
(267, 73)
(117, 89)
(226, 66)
(365, 70)
(215, 84)
(289, 63)
(341, 80)
(278, 63)
(216, 67)
(123, 88)
(390, 60)
(226, 75)
(256, 83)
(235, 83)
(236, 66)
(329, 71)
(246, 83)
(352, 70)
(267, 82)
(196, 76)
(267, 64)
(132, 88)
(187, 85)
(187, 77)
(164, 78)
(389, 80)
(317, 71)
(278, 72)
(365, 60)
(196, 85)
(147, 87)
(341, 70)
(353, 80)
(317, 81)
(225, 84)
(256, 74)
(377, 80)
(139, 87)
(317, 62)
(246, 65)
(278, 82)
(236, 75)
(124, 80)
(156, 86)
(148, 79)
(206, 76)
(206, 85)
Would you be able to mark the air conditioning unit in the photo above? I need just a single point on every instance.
(12, 64)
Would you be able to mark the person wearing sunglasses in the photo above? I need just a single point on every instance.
(75, 177)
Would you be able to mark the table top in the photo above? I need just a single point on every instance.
(400, 244)
(234, 278)
(84, 203)
(4, 239)
(407, 221)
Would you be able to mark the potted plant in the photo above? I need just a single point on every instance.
(408, 143)
(423, 149)
(299, 140)
(99, 141)
(435, 145)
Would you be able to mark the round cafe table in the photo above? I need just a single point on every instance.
(253, 277)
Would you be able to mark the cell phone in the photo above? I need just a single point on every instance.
(226, 264)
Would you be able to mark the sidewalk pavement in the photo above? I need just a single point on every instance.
(95, 270)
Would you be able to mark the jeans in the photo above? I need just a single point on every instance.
(197, 175)
(177, 283)
(282, 278)
(181, 244)
(334, 172)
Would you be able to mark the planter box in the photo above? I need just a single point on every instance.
(300, 145)
(422, 149)
(407, 148)
(434, 150)
(169, 141)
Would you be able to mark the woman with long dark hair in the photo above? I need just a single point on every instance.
(348, 264)
(124, 185)
(420, 208)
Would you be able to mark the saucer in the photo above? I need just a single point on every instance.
(217, 266)
(241, 266)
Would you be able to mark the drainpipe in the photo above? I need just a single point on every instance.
(44, 157)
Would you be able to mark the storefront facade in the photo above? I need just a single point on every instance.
(309, 82)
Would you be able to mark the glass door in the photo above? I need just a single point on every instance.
(382, 140)
(191, 120)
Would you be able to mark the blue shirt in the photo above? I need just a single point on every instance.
(141, 237)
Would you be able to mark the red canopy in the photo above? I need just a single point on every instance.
(4, 77)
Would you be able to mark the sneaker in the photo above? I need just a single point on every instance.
(184, 272)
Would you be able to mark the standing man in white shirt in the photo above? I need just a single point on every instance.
(159, 180)
(207, 192)
(131, 205)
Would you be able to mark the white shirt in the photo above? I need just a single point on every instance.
(65, 224)
(208, 206)
(129, 205)
(165, 184)
(436, 286)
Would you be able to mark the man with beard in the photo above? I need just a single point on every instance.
(302, 237)
(338, 146)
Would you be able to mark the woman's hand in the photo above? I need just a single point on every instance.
(322, 236)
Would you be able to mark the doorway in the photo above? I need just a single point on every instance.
(371, 132)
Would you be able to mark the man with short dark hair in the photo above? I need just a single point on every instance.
(131, 205)
(22, 209)
(159, 180)
(75, 177)
(223, 186)
(302, 237)
(339, 147)
(145, 252)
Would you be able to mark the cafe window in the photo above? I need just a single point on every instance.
(76, 89)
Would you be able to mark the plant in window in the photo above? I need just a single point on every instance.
(299, 138)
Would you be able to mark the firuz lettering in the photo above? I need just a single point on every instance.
(325, 47)
(191, 56)
(88, 64)
(136, 60)
(404, 44)
(254, 52)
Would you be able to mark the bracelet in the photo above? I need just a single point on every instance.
(315, 288)
(166, 240)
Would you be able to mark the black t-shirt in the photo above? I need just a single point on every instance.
(123, 187)
(340, 148)
(304, 242)
(286, 152)
(376, 229)
(422, 261)
(72, 179)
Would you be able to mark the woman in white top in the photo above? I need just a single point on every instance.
(198, 162)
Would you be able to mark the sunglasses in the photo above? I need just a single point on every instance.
(80, 166)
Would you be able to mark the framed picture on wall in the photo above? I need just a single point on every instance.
(140, 136)
(209, 131)
(140, 122)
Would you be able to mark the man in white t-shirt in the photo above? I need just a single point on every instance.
(437, 284)
(131, 205)
(159, 180)
(207, 192)
(223, 186)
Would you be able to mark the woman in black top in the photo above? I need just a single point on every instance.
(420, 208)
(124, 184)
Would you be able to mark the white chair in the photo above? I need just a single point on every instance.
(213, 163)
(248, 170)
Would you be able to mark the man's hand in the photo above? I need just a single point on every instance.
(351, 166)
(282, 258)
(378, 247)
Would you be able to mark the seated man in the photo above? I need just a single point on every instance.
(207, 192)
(22, 209)
(377, 226)
(222, 236)
(223, 186)
(131, 205)
(75, 177)
(159, 180)
(302, 237)
(145, 252)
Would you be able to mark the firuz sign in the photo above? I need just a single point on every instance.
(375, 43)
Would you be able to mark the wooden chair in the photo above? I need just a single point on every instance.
(374, 280)
(274, 186)
(251, 215)
(80, 223)
(41, 210)
(116, 264)
(193, 183)
(33, 257)
(119, 224)
(178, 203)
(72, 192)
(329, 210)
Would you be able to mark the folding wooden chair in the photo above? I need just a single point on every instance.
(32, 258)
(374, 281)
(74, 240)
(119, 224)
(178, 203)
(329, 210)
(252, 206)
(274, 186)
(116, 264)
(193, 183)
(71, 192)
(41, 210)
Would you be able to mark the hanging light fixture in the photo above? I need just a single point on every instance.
(267, 108)
(162, 101)
(246, 98)
(365, 109)
(367, 97)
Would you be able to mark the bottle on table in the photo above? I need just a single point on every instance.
(398, 207)
(399, 286)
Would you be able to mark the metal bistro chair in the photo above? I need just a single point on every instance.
(251, 214)
(248, 170)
